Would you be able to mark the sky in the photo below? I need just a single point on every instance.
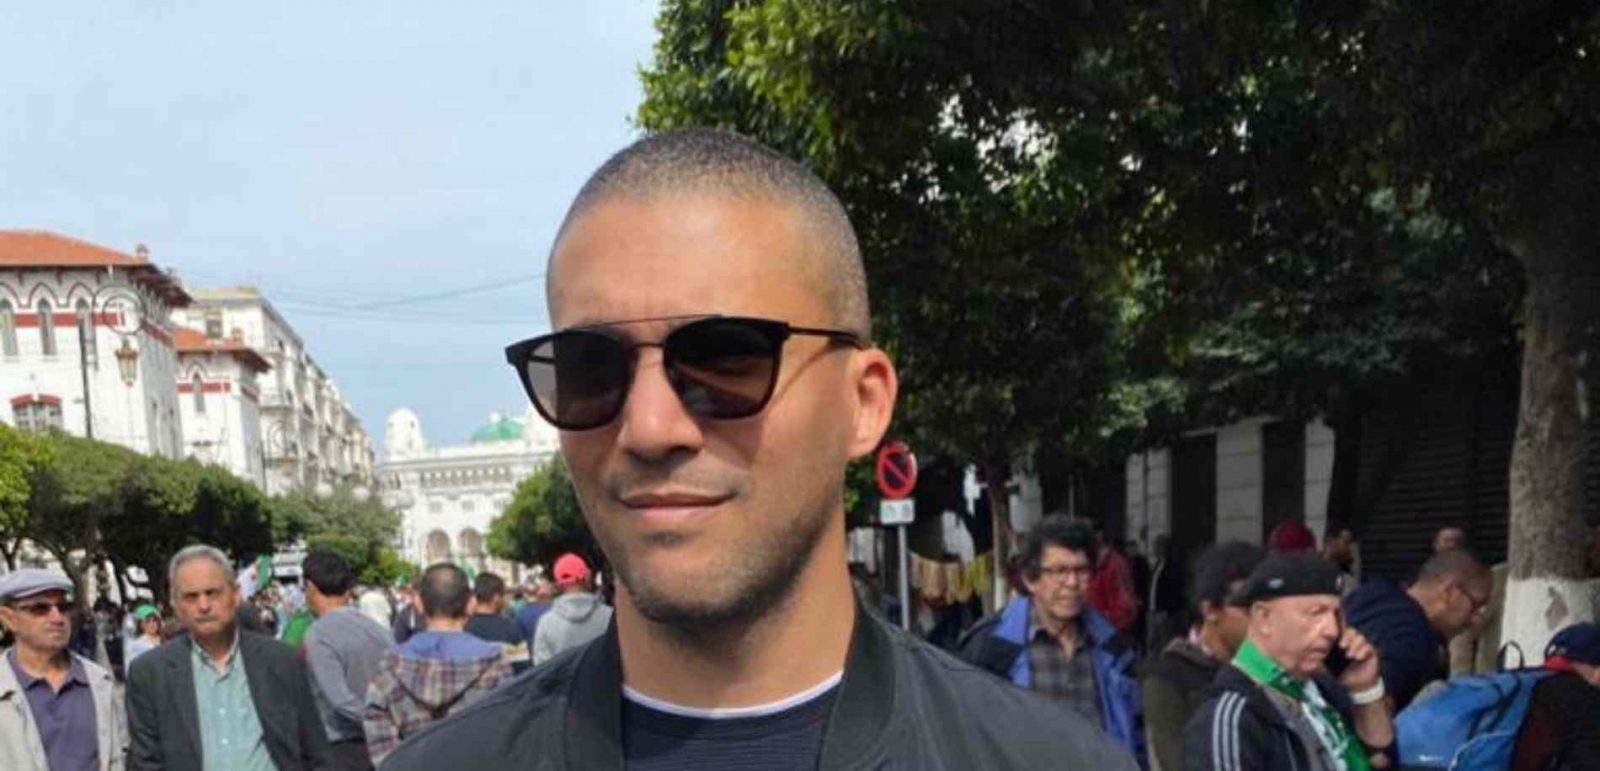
(390, 175)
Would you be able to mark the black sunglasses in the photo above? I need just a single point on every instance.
(721, 367)
(41, 609)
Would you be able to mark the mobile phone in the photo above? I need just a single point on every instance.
(1337, 661)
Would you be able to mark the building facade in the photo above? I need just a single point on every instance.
(448, 495)
(308, 435)
(219, 398)
(86, 342)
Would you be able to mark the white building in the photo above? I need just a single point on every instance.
(86, 341)
(219, 397)
(308, 433)
(448, 495)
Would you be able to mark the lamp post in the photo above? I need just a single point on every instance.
(126, 308)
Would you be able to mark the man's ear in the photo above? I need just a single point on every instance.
(876, 387)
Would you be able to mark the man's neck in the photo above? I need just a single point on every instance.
(437, 624)
(1067, 630)
(792, 647)
(1264, 654)
(48, 664)
(220, 647)
(1211, 641)
(330, 604)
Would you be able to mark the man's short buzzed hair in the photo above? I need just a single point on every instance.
(705, 160)
(1459, 564)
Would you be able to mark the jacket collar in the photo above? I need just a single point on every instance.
(592, 729)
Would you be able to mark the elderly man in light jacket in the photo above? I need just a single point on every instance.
(57, 710)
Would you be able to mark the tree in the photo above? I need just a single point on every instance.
(303, 513)
(73, 494)
(166, 505)
(362, 530)
(542, 521)
(21, 454)
(1089, 226)
(1495, 106)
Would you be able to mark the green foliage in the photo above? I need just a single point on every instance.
(88, 500)
(385, 568)
(542, 521)
(1087, 226)
(363, 531)
(21, 454)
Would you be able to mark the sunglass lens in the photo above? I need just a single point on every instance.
(578, 379)
(724, 368)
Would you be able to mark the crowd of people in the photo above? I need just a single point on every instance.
(233, 683)
(707, 417)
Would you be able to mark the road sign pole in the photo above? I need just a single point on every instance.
(897, 477)
(905, 579)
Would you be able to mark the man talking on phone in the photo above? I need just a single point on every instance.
(1278, 705)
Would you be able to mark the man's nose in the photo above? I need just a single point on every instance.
(654, 422)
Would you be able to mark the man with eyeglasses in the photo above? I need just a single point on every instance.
(57, 710)
(712, 376)
(1052, 642)
(1411, 626)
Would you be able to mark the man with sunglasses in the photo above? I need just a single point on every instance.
(712, 376)
(1411, 626)
(57, 710)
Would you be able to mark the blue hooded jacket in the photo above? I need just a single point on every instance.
(999, 644)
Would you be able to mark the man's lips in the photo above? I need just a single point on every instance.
(672, 506)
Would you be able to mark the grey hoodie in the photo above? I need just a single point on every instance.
(573, 620)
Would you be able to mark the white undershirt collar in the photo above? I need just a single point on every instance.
(734, 713)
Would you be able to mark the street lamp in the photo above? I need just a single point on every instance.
(126, 308)
(128, 362)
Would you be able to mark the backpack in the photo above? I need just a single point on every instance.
(1470, 724)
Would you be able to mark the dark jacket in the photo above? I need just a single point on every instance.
(902, 704)
(164, 720)
(1239, 729)
(998, 644)
(1175, 683)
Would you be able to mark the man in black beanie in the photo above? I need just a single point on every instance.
(1277, 705)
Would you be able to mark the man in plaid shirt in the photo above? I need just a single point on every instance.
(436, 672)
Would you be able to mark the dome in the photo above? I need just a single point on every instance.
(499, 429)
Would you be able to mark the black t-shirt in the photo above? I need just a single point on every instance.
(496, 628)
(787, 740)
(1410, 654)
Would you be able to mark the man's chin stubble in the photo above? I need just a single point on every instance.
(758, 590)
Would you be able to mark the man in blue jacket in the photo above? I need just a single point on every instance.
(1052, 642)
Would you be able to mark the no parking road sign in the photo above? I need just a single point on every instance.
(896, 470)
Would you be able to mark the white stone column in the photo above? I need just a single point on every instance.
(1239, 482)
(1319, 474)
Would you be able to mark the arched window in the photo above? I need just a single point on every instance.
(199, 394)
(85, 329)
(8, 329)
(47, 328)
(438, 548)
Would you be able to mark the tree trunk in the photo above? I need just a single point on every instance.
(1552, 229)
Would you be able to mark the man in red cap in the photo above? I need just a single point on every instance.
(576, 617)
(1559, 730)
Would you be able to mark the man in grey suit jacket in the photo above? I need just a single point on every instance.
(219, 697)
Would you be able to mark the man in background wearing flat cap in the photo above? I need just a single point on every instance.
(1276, 706)
(57, 712)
